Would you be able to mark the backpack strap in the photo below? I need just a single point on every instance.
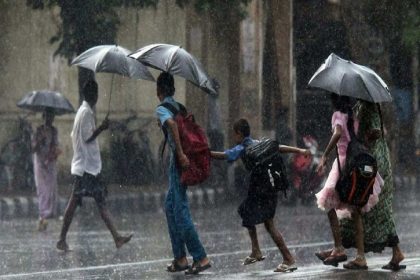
(175, 112)
(338, 161)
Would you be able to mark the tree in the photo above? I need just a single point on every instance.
(84, 24)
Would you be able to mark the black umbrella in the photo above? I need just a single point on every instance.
(344, 77)
(40, 100)
(176, 61)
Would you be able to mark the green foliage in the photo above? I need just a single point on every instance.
(217, 6)
(411, 32)
(396, 18)
(86, 23)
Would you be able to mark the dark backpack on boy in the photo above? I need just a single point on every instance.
(194, 144)
(264, 161)
(355, 183)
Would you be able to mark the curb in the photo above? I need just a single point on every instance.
(24, 206)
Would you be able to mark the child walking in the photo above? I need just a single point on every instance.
(258, 207)
(328, 199)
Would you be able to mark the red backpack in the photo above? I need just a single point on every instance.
(194, 144)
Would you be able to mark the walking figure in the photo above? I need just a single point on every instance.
(45, 147)
(86, 167)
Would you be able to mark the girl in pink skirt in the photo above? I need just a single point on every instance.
(328, 199)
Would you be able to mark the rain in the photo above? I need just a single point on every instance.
(241, 139)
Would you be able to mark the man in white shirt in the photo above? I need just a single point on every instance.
(86, 167)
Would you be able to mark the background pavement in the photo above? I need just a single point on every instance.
(26, 253)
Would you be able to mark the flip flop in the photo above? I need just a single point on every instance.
(335, 260)
(394, 267)
(250, 260)
(196, 268)
(323, 254)
(353, 265)
(175, 267)
(285, 268)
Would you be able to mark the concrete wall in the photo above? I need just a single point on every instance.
(26, 64)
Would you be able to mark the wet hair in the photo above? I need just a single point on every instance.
(165, 82)
(90, 90)
(242, 126)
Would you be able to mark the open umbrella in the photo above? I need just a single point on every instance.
(39, 100)
(344, 77)
(176, 61)
(112, 59)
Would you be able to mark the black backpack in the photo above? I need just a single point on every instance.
(355, 184)
(263, 159)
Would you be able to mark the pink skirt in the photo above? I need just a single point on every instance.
(328, 198)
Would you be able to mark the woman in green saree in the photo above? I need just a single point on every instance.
(378, 224)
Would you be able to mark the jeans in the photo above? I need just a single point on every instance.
(181, 228)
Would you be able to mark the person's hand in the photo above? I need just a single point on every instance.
(321, 166)
(105, 124)
(183, 161)
(306, 152)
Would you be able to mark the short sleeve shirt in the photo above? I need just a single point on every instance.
(163, 114)
(237, 151)
(86, 156)
(339, 118)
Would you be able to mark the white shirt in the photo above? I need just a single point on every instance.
(86, 156)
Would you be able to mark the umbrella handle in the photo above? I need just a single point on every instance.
(110, 93)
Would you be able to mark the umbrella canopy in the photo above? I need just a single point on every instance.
(40, 100)
(344, 77)
(112, 59)
(176, 61)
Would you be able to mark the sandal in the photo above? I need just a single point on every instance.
(335, 260)
(355, 266)
(175, 267)
(286, 268)
(394, 266)
(322, 255)
(251, 260)
(197, 268)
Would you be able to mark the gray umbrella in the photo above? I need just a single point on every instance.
(38, 101)
(176, 61)
(344, 77)
(112, 59)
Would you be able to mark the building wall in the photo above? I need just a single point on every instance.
(26, 64)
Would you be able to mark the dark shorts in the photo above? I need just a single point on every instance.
(91, 186)
(258, 207)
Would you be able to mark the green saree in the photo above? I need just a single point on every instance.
(378, 223)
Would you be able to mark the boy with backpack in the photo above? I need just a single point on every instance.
(261, 201)
(180, 225)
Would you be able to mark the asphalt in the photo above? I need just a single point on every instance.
(29, 254)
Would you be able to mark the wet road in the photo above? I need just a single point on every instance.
(27, 254)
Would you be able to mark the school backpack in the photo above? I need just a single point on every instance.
(355, 183)
(194, 144)
(264, 161)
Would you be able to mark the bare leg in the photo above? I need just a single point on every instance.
(68, 218)
(335, 229)
(397, 255)
(360, 259)
(106, 217)
(278, 239)
(256, 252)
